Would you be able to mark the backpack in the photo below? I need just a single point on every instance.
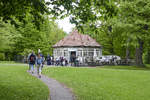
(32, 58)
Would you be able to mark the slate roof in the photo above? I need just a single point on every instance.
(75, 39)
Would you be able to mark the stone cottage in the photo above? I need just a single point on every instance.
(82, 46)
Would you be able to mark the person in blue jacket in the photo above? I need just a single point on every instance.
(39, 63)
(43, 59)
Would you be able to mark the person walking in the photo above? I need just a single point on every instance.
(43, 59)
(31, 60)
(39, 63)
(48, 60)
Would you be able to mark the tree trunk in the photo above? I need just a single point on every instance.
(127, 51)
(127, 55)
(111, 49)
(139, 53)
(148, 57)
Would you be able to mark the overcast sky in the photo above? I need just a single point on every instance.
(65, 24)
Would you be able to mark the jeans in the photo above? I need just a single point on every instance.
(39, 68)
(31, 67)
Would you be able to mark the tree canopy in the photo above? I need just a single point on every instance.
(121, 26)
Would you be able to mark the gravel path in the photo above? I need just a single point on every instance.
(57, 90)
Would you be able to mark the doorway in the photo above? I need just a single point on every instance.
(72, 56)
(73, 53)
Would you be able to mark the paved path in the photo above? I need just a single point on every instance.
(57, 90)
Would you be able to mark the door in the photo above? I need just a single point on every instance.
(72, 55)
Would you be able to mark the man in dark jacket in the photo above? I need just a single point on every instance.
(31, 60)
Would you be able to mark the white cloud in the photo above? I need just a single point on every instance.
(65, 24)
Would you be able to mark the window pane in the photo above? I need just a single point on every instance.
(65, 53)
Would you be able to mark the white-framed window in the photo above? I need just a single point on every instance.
(91, 53)
(65, 53)
(85, 53)
(97, 52)
(58, 52)
(79, 53)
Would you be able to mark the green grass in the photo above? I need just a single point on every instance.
(147, 67)
(7, 62)
(17, 84)
(104, 83)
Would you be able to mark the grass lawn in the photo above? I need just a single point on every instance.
(104, 83)
(17, 84)
(147, 67)
(7, 62)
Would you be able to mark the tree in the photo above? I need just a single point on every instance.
(133, 17)
(83, 11)
(34, 39)
(8, 35)
(26, 37)
(19, 9)
(136, 14)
